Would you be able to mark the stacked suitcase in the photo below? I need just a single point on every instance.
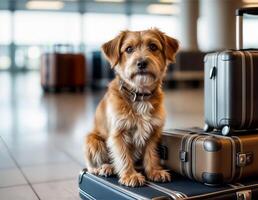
(219, 162)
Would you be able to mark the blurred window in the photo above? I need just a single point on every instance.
(46, 28)
(5, 30)
(5, 39)
(167, 24)
(99, 28)
(5, 61)
(37, 31)
(250, 36)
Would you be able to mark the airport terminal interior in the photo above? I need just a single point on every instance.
(42, 129)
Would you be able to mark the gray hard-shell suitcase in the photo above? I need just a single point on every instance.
(231, 85)
(93, 187)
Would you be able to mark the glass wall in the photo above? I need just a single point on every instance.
(5, 39)
(250, 35)
(167, 24)
(99, 28)
(46, 28)
(35, 32)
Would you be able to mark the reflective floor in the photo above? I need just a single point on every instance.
(41, 135)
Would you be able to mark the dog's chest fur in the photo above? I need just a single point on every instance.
(138, 125)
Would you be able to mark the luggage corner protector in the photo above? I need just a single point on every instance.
(83, 171)
(244, 195)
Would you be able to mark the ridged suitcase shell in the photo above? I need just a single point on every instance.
(231, 90)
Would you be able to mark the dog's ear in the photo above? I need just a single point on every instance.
(111, 49)
(171, 45)
(171, 48)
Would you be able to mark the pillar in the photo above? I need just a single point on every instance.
(189, 13)
(218, 24)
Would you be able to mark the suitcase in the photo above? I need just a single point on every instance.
(231, 87)
(210, 158)
(62, 70)
(107, 188)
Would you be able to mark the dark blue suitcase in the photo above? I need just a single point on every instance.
(102, 188)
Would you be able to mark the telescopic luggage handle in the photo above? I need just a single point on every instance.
(239, 23)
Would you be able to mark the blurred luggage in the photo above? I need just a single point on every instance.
(231, 87)
(188, 71)
(63, 71)
(210, 158)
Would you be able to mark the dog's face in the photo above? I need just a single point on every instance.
(141, 57)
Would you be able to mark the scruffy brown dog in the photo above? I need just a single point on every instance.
(130, 117)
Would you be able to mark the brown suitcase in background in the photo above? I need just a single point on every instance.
(62, 70)
(209, 158)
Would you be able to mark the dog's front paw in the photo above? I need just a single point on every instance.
(133, 180)
(94, 170)
(159, 176)
(106, 170)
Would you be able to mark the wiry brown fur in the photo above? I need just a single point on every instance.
(127, 131)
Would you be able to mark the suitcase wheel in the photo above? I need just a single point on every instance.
(226, 130)
(207, 128)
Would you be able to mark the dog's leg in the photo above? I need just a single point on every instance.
(151, 163)
(96, 155)
(123, 162)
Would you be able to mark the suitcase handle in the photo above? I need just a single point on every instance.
(248, 10)
(239, 24)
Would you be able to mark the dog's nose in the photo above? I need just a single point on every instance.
(142, 64)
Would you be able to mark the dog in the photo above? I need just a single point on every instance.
(130, 117)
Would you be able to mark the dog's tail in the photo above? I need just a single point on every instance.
(95, 150)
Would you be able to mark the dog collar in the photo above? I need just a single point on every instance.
(133, 95)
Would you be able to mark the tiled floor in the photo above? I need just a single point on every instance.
(41, 135)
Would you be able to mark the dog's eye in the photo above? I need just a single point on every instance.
(129, 49)
(153, 47)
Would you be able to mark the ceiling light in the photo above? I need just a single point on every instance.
(169, 1)
(42, 5)
(110, 1)
(162, 9)
(251, 5)
(250, 1)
